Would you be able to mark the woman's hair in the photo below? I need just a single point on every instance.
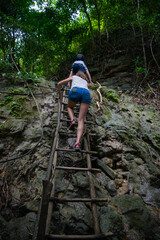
(82, 75)
(79, 57)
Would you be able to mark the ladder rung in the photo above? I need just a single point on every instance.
(67, 111)
(96, 236)
(73, 150)
(68, 134)
(73, 134)
(64, 103)
(78, 199)
(78, 169)
(87, 122)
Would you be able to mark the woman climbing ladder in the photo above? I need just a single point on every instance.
(79, 93)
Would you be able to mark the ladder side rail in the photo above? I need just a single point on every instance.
(92, 190)
(47, 186)
(49, 170)
(52, 179)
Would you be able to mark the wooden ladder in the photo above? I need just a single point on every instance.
(48, 195)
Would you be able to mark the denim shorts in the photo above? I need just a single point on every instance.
(81, 95)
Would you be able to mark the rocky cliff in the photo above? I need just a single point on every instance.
(126, 135)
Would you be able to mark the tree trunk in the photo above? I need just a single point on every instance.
(107, 29)
(98, 15)
(142, 38)
(2, 44)
(89, 20)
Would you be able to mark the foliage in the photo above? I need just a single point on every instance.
(24, 77)
(157, 139)
(93, 86)
(139, 68)
(110, 95)
(6, 65)
(40, 40)
(15, 106)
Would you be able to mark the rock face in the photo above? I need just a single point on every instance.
(21, 228)
(127, 138)
(21, 179)
(138, 217)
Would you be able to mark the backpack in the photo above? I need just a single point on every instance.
(78, 67)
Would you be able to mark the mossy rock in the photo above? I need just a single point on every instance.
(12, 127)
(110, 95)
(93, 86)
(157, 139)
(111, 221)
(138, 217)
(106, 113)
(3, 229)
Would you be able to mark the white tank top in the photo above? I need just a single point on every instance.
(79, 82)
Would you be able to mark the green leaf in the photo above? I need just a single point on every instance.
(4, 74)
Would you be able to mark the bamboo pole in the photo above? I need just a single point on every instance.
(54, 163)
(74, 150)
(78, 169)
(96, 236)
(92, 200)
(92, 191)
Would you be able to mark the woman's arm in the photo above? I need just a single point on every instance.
(89, 76)
(70, 75)
(63, 82)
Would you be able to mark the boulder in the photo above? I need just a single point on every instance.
(21, 228)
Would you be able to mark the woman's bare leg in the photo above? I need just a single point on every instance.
(82, 113)
(70, 107)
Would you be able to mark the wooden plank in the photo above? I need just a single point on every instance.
(92, 190)
(54, 163)
(50, 206)
(87, 122)
(96, 236)
(78, 169)
(93, 200)
(65, 96)
(47, 186)
(107, 170)
(73, 150)
(49, 170)
(67, 111)
(47, 189)
(64, 103)
(68, 134)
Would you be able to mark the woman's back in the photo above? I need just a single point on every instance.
(79, 82)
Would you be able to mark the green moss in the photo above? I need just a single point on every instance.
(148, 90)
(113, 98)
(2, 103)
(15, 105)
(93, 86)
(106, 112)
(153, 109)
(124, 109)
(16, 108)
(103, 92)
(110, 95)
(141, 109)
(157, 139)
(17, 90)
(8, 98)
